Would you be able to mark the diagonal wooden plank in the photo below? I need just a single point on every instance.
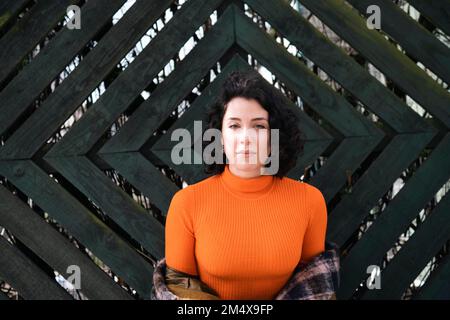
(351, 210)
(19, 94)
(424, 47)
(27, 278)
(174, 88)
(385, 56)
(405, 206)
(133, 80)
(39, 127)
(143, 175)
(340, 66)
(80, 223)
(435, 287)
(437, 11)
(426, 241)
(362, 134)
(54, 249)
(113, 201)
(9, 10)
(316, 138)
(347, 157)
(33, 27)
(3, 296)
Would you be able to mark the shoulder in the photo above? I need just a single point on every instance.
(293, 185)
(182, 198)
(314, 193)
(303, 189)
(187, 194)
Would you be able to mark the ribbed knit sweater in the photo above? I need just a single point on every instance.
(244, 236)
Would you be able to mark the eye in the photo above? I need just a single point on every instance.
(260, 126)
(233, 126)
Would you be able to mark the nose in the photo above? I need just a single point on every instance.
(247, 136)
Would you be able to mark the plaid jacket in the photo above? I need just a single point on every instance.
(317, 279)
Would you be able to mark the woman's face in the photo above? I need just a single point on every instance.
(246, 135)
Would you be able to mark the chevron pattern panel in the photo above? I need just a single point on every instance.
(86, 117)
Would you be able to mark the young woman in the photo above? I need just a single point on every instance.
(241, 231)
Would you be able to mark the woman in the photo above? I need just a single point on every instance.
(241, 232)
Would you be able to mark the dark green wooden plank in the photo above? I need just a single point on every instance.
(170, 93)
(9, 10)
(143, 175)
(401, 151)
(424, 47)
(133, 80)
(29, 30)
(3, 296)
(385, 56)
(437, 286)
(437, 11)
(113, 201)
(403, 208)
(347, 157)
(19, 94)
(54, 249)
(340, 66)
(80, 223)
(426, 241)
(28, 279)
(68, 96)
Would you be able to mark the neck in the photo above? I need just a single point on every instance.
(245, 174)
(251, 187)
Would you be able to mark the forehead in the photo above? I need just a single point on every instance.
(245, 109)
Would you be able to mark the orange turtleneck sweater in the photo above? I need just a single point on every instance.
(244, 237)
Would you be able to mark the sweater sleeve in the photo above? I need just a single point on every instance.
(314, 238)
(179, 235)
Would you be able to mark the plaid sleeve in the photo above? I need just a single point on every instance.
(317, 279)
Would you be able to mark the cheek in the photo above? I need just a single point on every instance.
(228, 137)
(264, 139)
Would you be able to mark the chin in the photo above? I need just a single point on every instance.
(247, 167)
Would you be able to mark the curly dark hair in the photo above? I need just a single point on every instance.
(251, 85)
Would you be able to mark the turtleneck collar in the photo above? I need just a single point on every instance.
(246, 187)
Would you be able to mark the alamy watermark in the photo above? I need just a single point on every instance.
(374, 20)
(374, 281)
(74, 14)
(213, 152)
(75, 276)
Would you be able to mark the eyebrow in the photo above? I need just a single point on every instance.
(254, 119)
